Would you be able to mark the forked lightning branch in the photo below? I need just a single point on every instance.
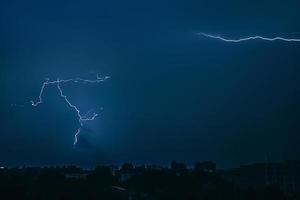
(88, 116)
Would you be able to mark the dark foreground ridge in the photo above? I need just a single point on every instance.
(262, 181)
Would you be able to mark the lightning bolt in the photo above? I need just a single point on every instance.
(88, 116)
(250, 38)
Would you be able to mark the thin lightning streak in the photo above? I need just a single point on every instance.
(76, 136)
(80, 117)
(58, 82)
(250, 38)
(75, 80)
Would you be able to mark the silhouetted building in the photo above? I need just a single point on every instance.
(285, 175)
(76, 175)
(178, 168)
(205, 166)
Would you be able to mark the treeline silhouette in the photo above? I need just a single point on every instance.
(128, 182)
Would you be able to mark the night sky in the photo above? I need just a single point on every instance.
(172, 93)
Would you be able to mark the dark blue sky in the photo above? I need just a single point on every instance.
(172, 94)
